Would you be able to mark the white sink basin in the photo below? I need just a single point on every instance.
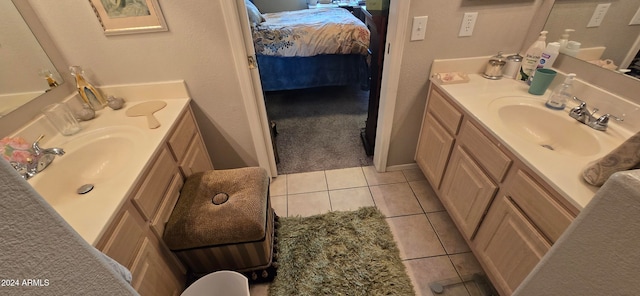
(552, 130)
(97, 158)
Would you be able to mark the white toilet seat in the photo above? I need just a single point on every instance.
(225, 282)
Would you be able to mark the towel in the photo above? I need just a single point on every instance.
(117, 267)
(625, 157)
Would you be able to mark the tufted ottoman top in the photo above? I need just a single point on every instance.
(219, 207)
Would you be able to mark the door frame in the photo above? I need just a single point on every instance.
(237, 27)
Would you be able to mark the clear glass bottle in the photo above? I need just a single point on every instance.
(561, 94)
(88, 93)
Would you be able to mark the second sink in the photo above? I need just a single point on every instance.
(549, 129)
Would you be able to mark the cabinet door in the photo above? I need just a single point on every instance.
(196, 159)
(123, 239)
(433, 150)
(466, 191)
(509, 245)
(152, 274)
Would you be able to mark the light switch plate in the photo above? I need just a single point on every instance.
(468, 23)
(419, 28)
(598, 15)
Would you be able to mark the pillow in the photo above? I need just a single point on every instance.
(254, 14)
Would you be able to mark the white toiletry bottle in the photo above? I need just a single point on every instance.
(564, 39)
(573, 48)
(549, 55)
(513, 66)
(559, 97)
(532, 57)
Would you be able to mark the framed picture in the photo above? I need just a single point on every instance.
(129, 16)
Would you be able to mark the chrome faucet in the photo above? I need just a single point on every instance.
(42, 158)
(581, 113)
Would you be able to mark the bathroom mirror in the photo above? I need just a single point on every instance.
(613, 41)
(25, 50)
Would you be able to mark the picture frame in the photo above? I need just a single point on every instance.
(119, 17)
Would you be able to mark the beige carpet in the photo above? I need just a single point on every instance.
(319, 128)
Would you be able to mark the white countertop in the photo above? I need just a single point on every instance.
(563, 172)
(91, 213)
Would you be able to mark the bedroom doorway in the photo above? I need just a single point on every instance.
(323, 128)
(240, 37)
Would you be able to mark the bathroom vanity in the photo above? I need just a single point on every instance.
(134, 238)
(510, 181)
(137, 174)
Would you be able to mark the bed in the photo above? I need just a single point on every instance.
(310, 48)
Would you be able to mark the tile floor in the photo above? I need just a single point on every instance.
(431, 247)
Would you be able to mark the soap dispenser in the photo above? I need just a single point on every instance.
(573, 48)
(532, 57)
(88, 93)
(559, 97)
(564, 39)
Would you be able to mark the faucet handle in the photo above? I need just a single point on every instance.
(580, 101)
(603, 121)
(36, 145)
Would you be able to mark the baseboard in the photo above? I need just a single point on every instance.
(400, 167)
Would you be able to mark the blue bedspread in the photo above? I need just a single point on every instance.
(285, 73)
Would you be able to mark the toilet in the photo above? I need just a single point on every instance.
(222, 283)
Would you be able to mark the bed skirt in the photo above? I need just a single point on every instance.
(286, 73)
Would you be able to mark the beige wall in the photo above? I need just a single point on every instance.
(195, 49)
(501, 26)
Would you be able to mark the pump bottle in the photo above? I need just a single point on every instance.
(532, 57)
(559, 97)
(564, 39)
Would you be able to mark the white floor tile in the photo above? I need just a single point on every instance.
(306, 182)
(375, 178)
(278, 185)
(415, 237)
(345, 178)
(308, 204)
(350, 199)
(279, 205)
(395, 199)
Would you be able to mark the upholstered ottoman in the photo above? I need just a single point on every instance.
(223, 221)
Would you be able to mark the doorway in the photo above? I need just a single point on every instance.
(321, 128)
(398, 13)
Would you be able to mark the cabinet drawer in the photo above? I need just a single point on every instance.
(181, 137)
(149, 195)
(539, 206)
(433, 150)
(494, 161)
(448, 115)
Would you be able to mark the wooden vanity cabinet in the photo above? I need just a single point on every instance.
(519, 229)
(508, 215)
(134, 238)
(439, 128)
